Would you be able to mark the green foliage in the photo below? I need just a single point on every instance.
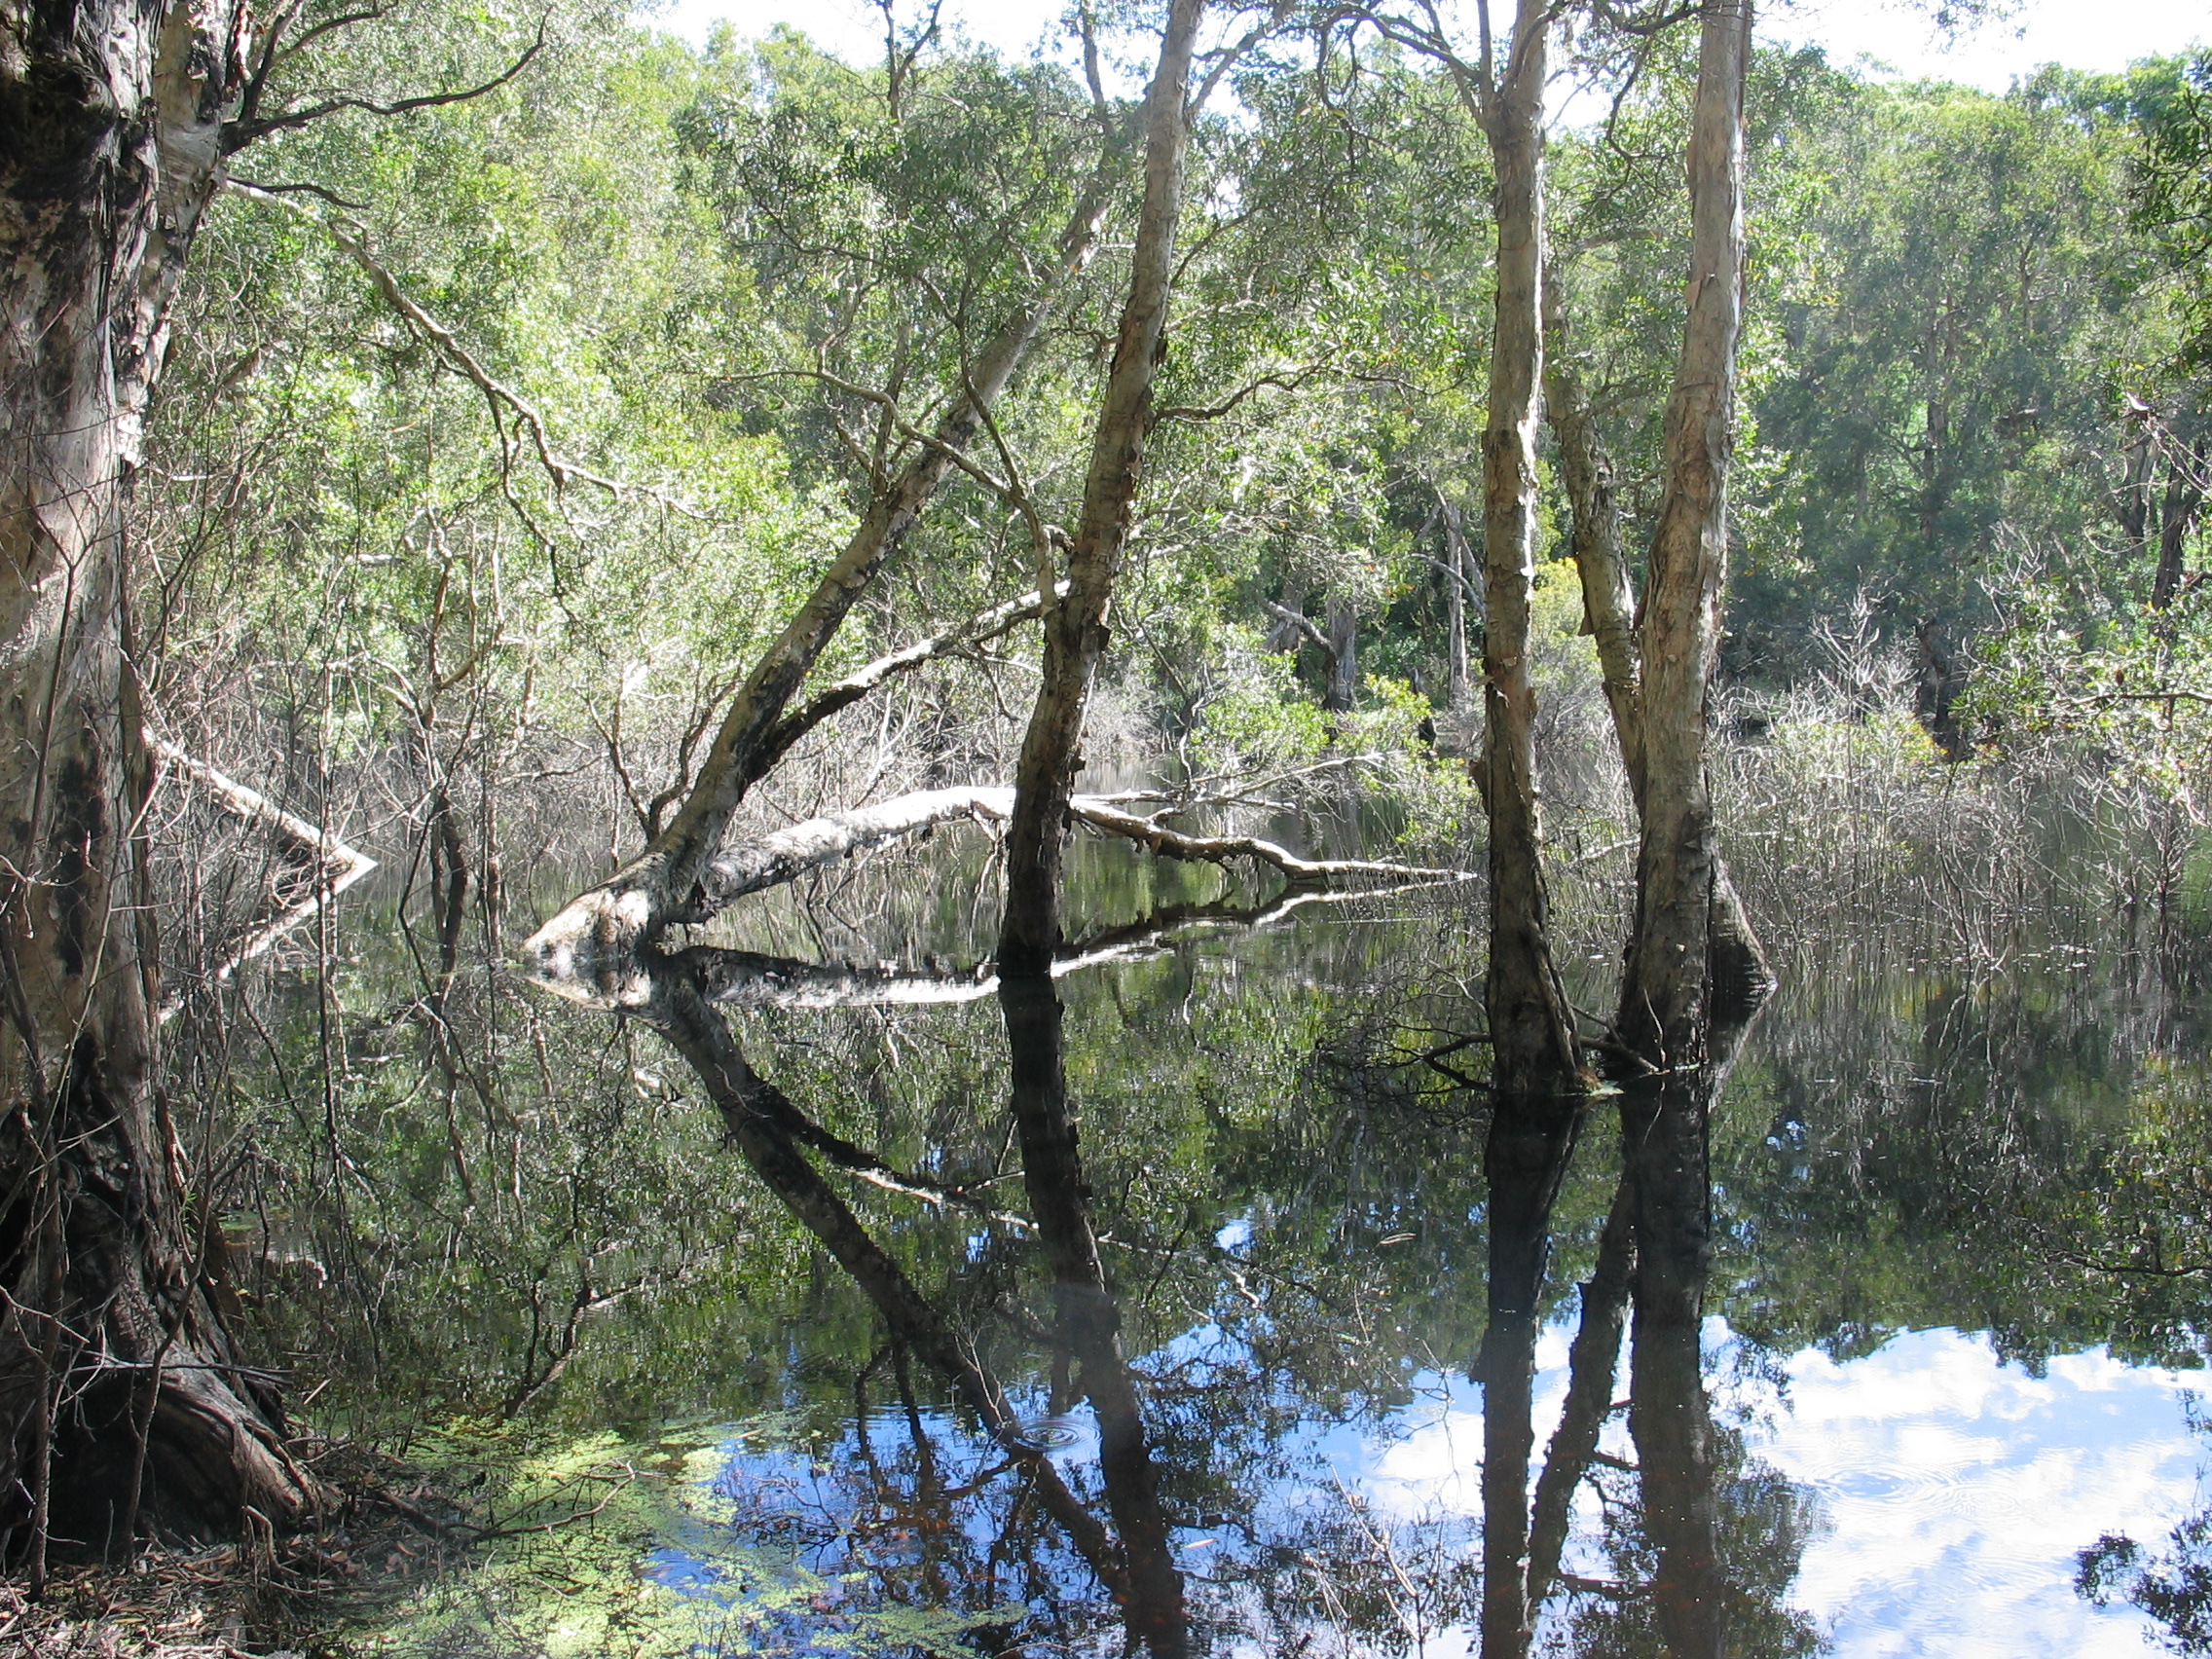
(623, 1550)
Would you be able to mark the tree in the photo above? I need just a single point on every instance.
(121, 1390)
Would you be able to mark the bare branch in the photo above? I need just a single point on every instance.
(239, 134)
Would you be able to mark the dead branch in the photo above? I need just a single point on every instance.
(979, 629)
(341, 865)
(773, 859)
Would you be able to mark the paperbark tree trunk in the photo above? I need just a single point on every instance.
(1088, 1317)
(1667, 991)
(121, 1393)
(1530, 1025)
(1741, 974)
(1608, 596)
(1076, 630)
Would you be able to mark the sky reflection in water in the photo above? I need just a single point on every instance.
(1957, 1489)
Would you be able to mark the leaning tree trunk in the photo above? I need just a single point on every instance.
(597, 932)
(1087, 1314)
(1666, 995)
(1530, 1024)
(1075, 630)
(120, 1390)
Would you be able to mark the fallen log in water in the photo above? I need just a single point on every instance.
(786, 853)
(565, 961)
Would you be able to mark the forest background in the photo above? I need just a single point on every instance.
(499, 434)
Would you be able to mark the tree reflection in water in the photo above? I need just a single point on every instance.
(1189, 1514)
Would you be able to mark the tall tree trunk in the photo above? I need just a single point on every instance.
(1608, 596)
(2177, 514)
(1458, 572)
(1075, 631)
(1530, 1025)
(1344, 654)
(1089, 1317)
(1667, 994)
(120, 1390)
(597, 932)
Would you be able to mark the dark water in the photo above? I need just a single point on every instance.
(1913, 1316)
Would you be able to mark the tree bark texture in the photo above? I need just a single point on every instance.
(1608, 596)
(1666, 992)
(1530, 1024)
(1740, 976)
(2184, 498)
(121, 1392)
(1076, 630)
(661, 884)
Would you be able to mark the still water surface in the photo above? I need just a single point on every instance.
(1947, 1333)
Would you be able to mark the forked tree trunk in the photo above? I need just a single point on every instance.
(1740, 976)
(1530, 1025)
(121, 1393)
(1667, 994)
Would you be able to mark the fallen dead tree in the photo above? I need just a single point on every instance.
(784, 854)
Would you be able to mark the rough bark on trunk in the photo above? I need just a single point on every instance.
(1088, 1317)
(2177, 508)
(1608, 596)
(1740, 972)
(121, 1393)
(1530, 1025)
(661, 884)
(1075, 630)
(1667, 991)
